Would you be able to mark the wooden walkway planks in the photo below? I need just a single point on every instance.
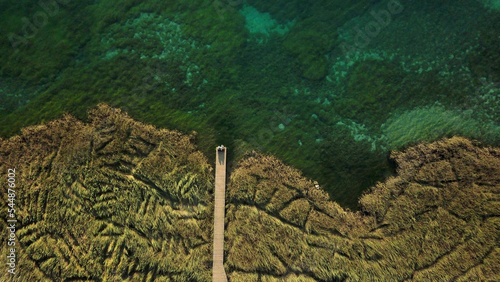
(219, 273)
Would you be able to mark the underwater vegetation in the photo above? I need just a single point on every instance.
(430, 123)
(269, 76)
(116, 199)
(349, 130)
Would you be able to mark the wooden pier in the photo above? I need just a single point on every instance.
(219, 273)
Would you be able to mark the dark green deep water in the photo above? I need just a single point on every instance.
(330, 87)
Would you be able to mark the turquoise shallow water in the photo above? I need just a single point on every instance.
(330, 87)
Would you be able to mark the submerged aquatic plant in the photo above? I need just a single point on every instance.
(433, 122)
